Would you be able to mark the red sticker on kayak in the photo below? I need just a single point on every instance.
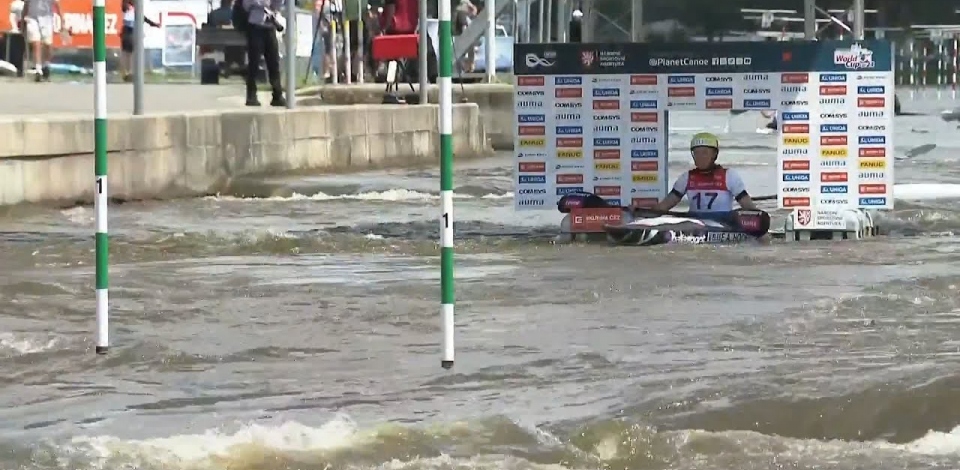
(593, 220)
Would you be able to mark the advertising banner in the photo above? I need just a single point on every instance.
(591, 117)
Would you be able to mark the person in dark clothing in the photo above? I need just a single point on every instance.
(262, 42)
(127, 38)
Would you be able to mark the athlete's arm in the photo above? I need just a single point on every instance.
(739, 190)
(674, 196)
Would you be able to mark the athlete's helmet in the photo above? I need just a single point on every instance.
(705, 139)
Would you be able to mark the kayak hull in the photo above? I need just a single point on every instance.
(627, 235)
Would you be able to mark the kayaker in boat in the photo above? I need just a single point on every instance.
(710, 188)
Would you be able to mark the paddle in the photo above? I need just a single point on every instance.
(916, 152)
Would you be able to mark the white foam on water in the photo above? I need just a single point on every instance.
(25, 343)
(926, 191)
(392, 195)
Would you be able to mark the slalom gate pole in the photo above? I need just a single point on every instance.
(446, 180)
(100, 171)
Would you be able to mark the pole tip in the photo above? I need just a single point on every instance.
(101, 349)
(446, 364)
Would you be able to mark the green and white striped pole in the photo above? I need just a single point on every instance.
(100, 170)
(446, 181)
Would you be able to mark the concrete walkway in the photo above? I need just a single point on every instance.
(18, 98)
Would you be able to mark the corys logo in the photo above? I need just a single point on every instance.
(569, 142)
(568, 105)
(569, 153)
(833, 78)
(796, 202)
(757, 91)
(530, 81)
(644, 177)
(718, 79)
(833, 90)
(833, 140)
(871, 102)
(719, 92)
(567, 117)
(873, 201)
(569, 190)
(833, 128)
(606, 117)
(644, 117)
(532, 167)
(796, 165)
(872, 188)
(833, 189)
(531, 118)
(532, 130)
(878, 128)
(643, 104)
(644, 129)
(568, 80)
(872, 152)
(872, 164)
(569, 130)
(571, 178)
(644, 153)
(790, 189)
(795, 116)
(606, 166)
(530, 93)
(795, 177)
(794, 103)
(681, 92)
(606, 154)
(793, 89)
(796, 140)
(606, 190)
(871, 90)
(644, 166)
(575, 92)
(532, 191)
(606, 104)
(643, 80)
(794, 78)
(872, 140)
(599, 92)
(533, 179)
(681, 79)
(533, 142)
(833, 177)
(856, 57)
(756, 104)
(606, 142)
(833, 115)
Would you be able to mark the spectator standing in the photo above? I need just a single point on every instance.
(128, 38)
(466, 12)
(38, 18)
(401, 17)
(262, 26)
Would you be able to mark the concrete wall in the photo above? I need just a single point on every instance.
(50, 159)
(495, 102)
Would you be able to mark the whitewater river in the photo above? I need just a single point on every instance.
(300, 329)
